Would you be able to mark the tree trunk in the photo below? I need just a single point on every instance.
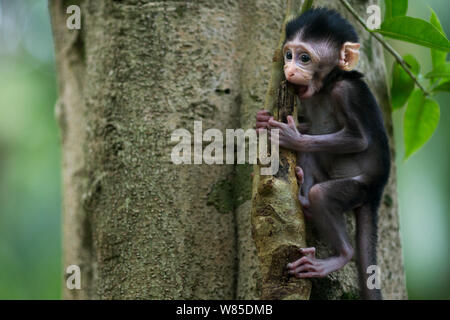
(139, 226)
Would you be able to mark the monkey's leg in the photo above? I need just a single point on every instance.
(305, 183)
(366, 247)
(328, 202)
(308, 173)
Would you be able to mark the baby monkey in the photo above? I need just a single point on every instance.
(342, 147)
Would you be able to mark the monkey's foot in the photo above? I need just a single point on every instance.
(310, 267)
(299, 173)
(303, 200)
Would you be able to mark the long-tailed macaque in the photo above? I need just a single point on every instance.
(341, 143)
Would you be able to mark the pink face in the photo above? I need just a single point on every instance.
(300, 63)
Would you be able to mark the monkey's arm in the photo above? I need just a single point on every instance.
(351, 138)
(347, 140)
(343, 141)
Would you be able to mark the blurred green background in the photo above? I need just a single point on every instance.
(30, 156)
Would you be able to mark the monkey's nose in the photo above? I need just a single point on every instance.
(291, 75)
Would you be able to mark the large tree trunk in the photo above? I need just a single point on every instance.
(138, 225)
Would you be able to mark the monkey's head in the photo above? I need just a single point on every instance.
(317, 42)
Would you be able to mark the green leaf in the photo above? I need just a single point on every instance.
(395, 8)
(438, 57)
(402, 84)
(421, 120)
(441, 71)
(443, 87)
(416, 31)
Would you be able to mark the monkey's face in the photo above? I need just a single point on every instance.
(307, 63)
(300, 65)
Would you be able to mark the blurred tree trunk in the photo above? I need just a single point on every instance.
(137, 225)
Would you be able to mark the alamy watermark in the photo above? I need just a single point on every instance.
(374, 280)
(189, 147)
(374, 20)
(74, 279)
(73, 22)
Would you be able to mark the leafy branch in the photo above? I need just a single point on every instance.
(422, 114)
(386, 45)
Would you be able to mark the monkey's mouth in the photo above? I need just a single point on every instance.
(302, 89)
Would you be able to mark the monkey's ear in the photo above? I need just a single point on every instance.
(349, 56)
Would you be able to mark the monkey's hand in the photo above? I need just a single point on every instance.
(309, 266)
(289, 136)
(262, 120)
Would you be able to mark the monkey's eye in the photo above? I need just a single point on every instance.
(305, 58)
(289, 55)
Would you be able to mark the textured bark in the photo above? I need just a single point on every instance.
(136, 224)
(278, 224)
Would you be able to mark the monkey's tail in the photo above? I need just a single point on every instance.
(366, 250)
